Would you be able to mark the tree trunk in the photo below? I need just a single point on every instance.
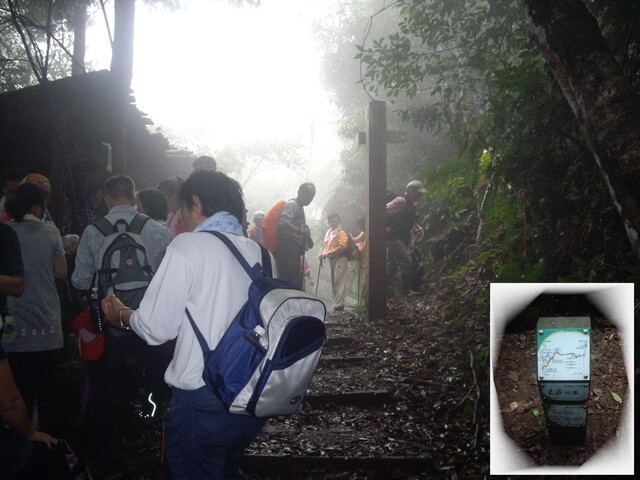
(79, 37)
(122, 57)
(122, 71)
(607, 108)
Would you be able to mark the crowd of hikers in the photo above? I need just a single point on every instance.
(137, 268)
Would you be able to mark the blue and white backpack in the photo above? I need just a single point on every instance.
(264, 362)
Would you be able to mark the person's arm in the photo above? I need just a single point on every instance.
(59, 258)
(13, 410)
(84, 268)
(396, 205)
(285, 224)
(343, 243)
(156, 239)
(11, 285)
(12, 277)
(60, 268)
(286, 219)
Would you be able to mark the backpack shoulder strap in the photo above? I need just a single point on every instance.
(138, 223)
(236, 253)
(203, 343)
(266, 262)
(105, 227)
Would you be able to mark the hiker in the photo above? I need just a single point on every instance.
(294, 236)
(113, 375)
(91, 206)
(336, 243)
(153, 203)
(11, 179)
(11, 269)
(204, 441)
(33, 331)
(15, 441)
(45, 185)
(255, 232)
(204, 162)
(360, 242)
(17, 437)
(401, 220)
(170, 187)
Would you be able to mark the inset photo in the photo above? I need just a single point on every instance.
(562, 378)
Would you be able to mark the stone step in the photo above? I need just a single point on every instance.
(330, 361)
(367, 399)
(293, 466)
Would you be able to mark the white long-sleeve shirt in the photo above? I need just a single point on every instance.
(198, 272)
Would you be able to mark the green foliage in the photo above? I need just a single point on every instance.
(536, 414)
(619, 26)
(467, 68)
(35, 42)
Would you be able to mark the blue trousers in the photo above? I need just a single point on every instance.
(204, 441)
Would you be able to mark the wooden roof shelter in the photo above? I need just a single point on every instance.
(63, 129)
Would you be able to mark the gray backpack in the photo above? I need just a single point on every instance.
(124, 267)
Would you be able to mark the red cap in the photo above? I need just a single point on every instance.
(90, 342)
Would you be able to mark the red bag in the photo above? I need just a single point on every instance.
(90, 343)
(270, 226)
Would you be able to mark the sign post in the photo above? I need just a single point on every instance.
(375, 211)
(564, 376)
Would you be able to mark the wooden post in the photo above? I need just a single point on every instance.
(375, 212)
(122, 72)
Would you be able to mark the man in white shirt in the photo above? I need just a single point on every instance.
(198, 272)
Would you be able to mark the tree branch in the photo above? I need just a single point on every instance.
(17, 24)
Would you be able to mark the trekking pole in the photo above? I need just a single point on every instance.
(318, 280)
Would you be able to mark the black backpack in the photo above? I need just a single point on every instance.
(124, 267)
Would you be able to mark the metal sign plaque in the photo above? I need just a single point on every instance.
(566, 415)
(564, 363)
(564, 391)
(563, 353)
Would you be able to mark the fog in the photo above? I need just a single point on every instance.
(213, 77)
(237, 83)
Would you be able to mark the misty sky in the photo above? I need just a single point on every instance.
(211, 75)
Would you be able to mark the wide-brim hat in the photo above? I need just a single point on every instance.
(417, 186)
